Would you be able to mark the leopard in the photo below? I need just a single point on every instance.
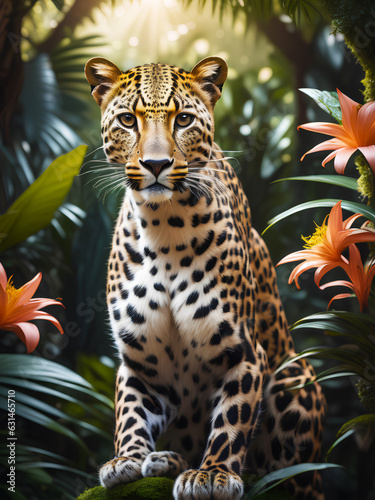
(193, 300)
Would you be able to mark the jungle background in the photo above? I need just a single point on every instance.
(273, 48)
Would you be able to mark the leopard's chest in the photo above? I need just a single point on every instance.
(166, 297)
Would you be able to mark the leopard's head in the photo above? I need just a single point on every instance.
(157, 120)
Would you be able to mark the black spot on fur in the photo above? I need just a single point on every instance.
(176, 222)
(283, 400)
(211, 263)
(232, 415)
(206, 244)
(238, 443)
(246, 383)
(245, 413)
(135, 256)
(135, 317)
(218, 442)
(136, 384)
(186, 261)
(187, 443)
(140, 291)
(197, 276)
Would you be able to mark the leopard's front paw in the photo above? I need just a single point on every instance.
(120, 470)
(164, 463)
(212, 485)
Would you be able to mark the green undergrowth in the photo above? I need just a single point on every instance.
(154, 488)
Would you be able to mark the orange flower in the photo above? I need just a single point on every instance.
(356, 132)
(17, 308)
(360, 278)
(325, 246)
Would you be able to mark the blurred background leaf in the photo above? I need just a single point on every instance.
(34, 209)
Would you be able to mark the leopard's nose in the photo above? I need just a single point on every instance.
(156, 166)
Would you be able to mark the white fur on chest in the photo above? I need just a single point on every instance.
(160, 306)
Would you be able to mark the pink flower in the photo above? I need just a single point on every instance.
(357, 132)
(17, 308)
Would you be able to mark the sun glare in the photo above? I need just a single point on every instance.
(148, 31)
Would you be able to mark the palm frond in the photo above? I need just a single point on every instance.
(68, 61)
(41, 103)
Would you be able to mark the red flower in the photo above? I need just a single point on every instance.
(17, 308)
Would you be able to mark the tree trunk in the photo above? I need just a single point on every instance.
(11, 69)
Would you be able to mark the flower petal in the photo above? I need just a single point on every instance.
(3, 304)
(48, 317)
(349, 110)
(349, 221)
(326, 146)
(27, 332)
(366, 117)
(334, 222)
(369, 136)
(337, 283)
(28, 289)
(293, 257)
(356, 235)
(342, 158)
(300, 269)
(340, 296)
(369, 153)
(25, 312)
(3, 277)
(330, 157)
(327, 129)
(322, 270)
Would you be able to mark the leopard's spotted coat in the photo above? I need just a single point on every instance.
(193, 299)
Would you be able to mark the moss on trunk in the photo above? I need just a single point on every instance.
(356, 21)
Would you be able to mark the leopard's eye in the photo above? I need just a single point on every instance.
(184, 120)
(127, 120)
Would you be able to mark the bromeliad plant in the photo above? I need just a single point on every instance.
(17, 308)
(333, 245)
(324, 251)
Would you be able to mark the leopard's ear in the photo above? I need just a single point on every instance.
(211, 74)
(101, 75)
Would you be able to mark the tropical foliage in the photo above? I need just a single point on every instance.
(324, 251)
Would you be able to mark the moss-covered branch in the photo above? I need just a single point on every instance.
(159, 488)
(356, 22)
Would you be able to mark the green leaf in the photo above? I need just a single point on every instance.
(341, 438)
(366, 211)
(34, 209)
(16, 495)
(51, 465)
(360, 422)
(301, 355)
(337, 180)
(344, 354)
(355, 326)
(275, 478)
(29, 452)
(328, 101)
(27, 366)
(349, 428)
(43, 420)
(21, 367)
(44, 389)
